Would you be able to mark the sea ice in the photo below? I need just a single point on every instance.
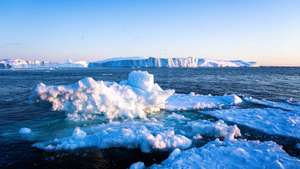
(147, 136)
(214, 129)
(269, 120)
(134, 98)
(193, 101)
(88, 98)
(280, 105)
(230, 155)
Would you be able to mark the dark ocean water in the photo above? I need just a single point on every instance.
(16, 111)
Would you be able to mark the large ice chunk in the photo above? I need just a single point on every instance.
(88, 98)
(230, 155)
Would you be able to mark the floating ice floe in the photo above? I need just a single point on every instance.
(214, 129)
(269, 120)
(146, 135)
(134, 134)
(193, 101)
(134, 98)
(87, 98)
(268, 103)
(229, 155)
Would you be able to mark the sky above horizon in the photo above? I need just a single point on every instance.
(265, 31)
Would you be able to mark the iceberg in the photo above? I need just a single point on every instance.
(230, 155)
(37, 64)
(269, 120)
(88, 98)
(171, 62)
(132, 98)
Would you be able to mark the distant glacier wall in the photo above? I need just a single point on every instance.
(188, 62)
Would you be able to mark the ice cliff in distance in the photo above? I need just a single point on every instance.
(37, 64)
(171, 62)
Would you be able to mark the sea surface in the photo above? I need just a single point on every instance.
(16, 109)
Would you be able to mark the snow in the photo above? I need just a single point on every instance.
(230, 155)
(168, 62)
(269, 120)
(147, 136)
(88, 98)
(193, 101)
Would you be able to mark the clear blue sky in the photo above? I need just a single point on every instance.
(266, 31)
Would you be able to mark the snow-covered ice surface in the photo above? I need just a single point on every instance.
(280, 105)
(149, 135)
(169, 62)
(193, 101)
(269, 120)
(230, 155)
(146, 136)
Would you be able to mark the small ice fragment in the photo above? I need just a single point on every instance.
(137, 165)
(78, 133)
(25, 132)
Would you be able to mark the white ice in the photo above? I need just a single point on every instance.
(280, 105)
(214, 129)
(269, 120)
(171, 62)
(132, 98)
(230, 155)
(194, 101)
(147, 136)
(87, 98)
